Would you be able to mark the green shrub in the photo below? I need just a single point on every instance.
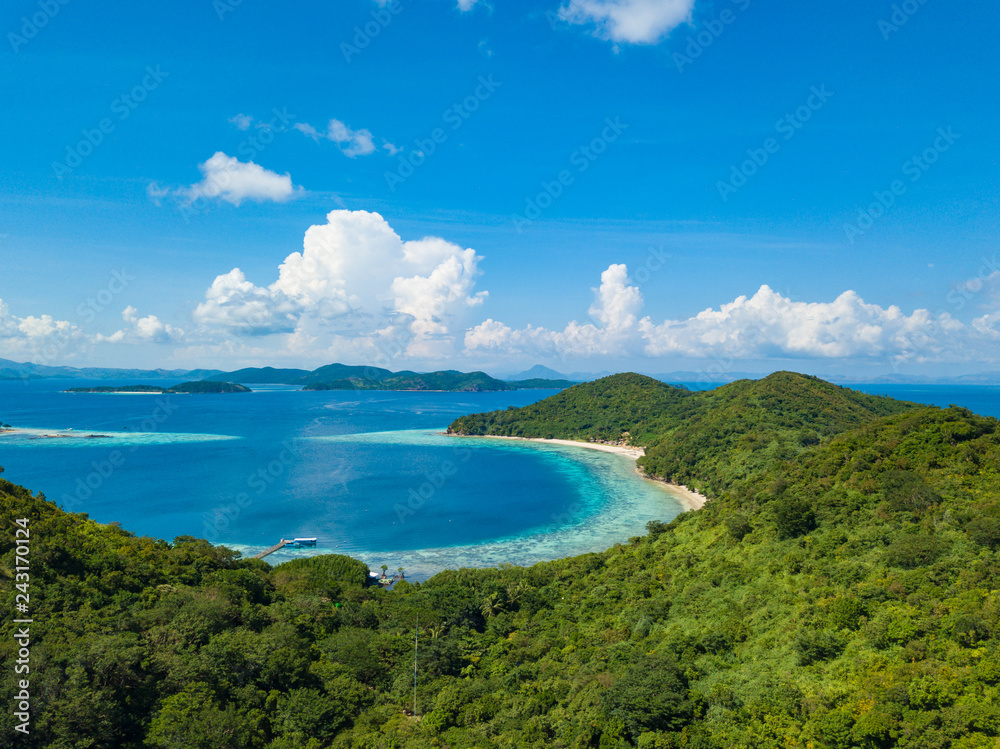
(985, 531)
(815, 645)
(652, 696)
(905, 491)
(793, 517)
(914, 550)
(738, 526)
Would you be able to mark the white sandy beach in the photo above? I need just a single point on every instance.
(689, 499)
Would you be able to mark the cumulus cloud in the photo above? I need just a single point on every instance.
(41, 338)
(769, 324)
(630, 21)
(616, 307)
(355, 285)
(229, 179)
(351, 142)
(147, 329)
(765, 325)
(232, 303)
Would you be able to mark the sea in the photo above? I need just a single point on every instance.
(367, 474)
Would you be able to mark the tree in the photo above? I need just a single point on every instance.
(793, 517)
(914, 550)
(192, 719)
(651, 696)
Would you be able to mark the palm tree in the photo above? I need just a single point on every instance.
(491, 605)
(515, 591)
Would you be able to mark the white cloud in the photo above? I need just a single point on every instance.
(147, 329)
(769, 324)
(234, 304)
(616, 308)
(351, 142)
(766, 325)
(229, 179)
(356, 286)
(618, 304)
(40, 339)
(466, 5)
(242, 121)
(631, 21)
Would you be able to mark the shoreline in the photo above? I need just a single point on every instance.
(690, 500)
(34, 433)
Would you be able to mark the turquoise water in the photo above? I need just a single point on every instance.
(368, 474)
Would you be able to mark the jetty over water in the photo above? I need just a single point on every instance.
(295, 543)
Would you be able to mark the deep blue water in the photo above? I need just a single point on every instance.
(981, 399)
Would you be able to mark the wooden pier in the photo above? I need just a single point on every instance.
(295, 543)
(280, 545)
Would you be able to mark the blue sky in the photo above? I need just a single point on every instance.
(589, 184)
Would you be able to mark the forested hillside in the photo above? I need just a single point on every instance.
(841, 593)
(701, 439)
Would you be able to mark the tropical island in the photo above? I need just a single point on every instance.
(348, 377)
(185, 388)
(839, 590)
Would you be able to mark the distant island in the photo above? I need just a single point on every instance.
(185, 388)
(347, 377)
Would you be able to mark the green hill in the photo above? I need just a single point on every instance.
(261, 376)
(440, 381)
(842, 595)
(332, 372)
(604, 409)
(347, 377)
(199, 386)
(208, 387)
(705, 439)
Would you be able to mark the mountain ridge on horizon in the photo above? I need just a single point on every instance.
(13, 370)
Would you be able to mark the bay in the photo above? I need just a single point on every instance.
(366, 473)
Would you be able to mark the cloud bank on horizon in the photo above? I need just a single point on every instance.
(358, 292)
